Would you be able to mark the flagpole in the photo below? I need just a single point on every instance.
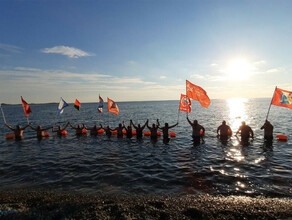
(27, 120)
(187, 98)
(178, 112)
(3, 114)
(271, 104)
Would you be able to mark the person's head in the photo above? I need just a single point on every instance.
(39, 127)
(166, 125)
(60, 127)
(267, 122)
(95, 127)
(243, 122)
(153, 125)
(107, 127)
(18, 127)
(224, 122)
(195, 122)
(139, 125)
(129, 127)
(79, 126)
(120, 125)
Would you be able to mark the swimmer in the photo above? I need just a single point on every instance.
(18, 131)
(139, 129)
(268, 131)
(246, 133)
(94, 129)
(60, 129)
(78, 129)
(119, 130)
(153, 129)
(128, 130)
(165, 130)
(223, 131)
(40, 131)
(197, 128)
(108, 131)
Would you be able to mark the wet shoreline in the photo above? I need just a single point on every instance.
(72, 205)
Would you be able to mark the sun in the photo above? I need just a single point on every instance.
(238, 70)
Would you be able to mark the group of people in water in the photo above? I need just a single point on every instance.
(224, 131)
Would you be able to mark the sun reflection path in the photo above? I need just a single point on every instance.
(237, 112)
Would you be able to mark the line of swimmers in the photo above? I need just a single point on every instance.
(224, 131)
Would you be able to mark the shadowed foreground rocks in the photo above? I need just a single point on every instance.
(53, 205)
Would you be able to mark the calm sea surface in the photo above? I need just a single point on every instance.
(98, 164)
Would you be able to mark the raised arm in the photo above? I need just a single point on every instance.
(66, 125)
(35, 129)
(145, 124)
(251, 131)
(8, 126)
(148, 125)
(189, 121)
(131, 123)
(72, 125)
(47, 128)
(158, 124)
(173, 125)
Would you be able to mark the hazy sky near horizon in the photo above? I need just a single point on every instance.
(143, 50)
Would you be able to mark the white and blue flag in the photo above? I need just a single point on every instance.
(62, 105)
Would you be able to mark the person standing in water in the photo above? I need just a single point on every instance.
(108, 130)
(18, 131)
(246, 132)
(40, 131)
(128, 129)
(94, 130)
(139, 129)
(119, 130)
(60, 129)
(78, 129)
(268, 131)
(153, 130)
(197, 128)
(224, 131)
(165, 130)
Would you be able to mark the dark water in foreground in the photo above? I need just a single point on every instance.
(99, 164)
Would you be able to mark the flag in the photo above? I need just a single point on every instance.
(112, 107)
(282, 98)
(100, 106)
(197, 93)
(26, 107)
(62, 105)
(185, 104)
(77, 105)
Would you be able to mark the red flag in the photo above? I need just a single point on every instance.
(112, 107)
(26, 107)
(185, 104)
(77, 104)
(197, 93)
(282, 98)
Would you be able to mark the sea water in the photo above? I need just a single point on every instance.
(94, 164)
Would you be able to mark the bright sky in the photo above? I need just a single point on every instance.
(143, 50)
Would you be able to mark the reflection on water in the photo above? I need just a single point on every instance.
(237, 112)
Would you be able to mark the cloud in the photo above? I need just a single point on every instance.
(214, 64)
(67, 51)
(10, 48)
(162, 77)
(197, 76)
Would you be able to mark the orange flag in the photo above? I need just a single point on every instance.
(112, 107)
(197, 93)
(185, 104)
(282, 98)
(26, 107)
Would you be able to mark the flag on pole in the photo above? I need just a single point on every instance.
(197, 93)
(112, 107)
(26, 107)
(282, 98)
(77, 105)
(62, 105)
(185, 104)
(100, 106)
